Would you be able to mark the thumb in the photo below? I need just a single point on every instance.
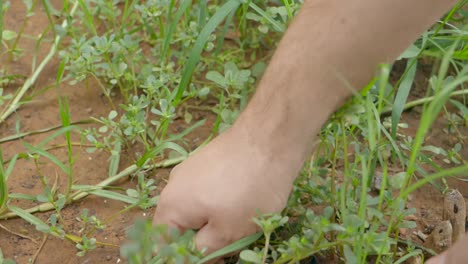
(178, 214)
(437, 260)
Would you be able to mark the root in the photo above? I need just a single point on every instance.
(44, 240)
(18, 234)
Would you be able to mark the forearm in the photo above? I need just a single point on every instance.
(330, 49)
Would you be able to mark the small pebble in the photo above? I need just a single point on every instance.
(108, 258)
(421, 236)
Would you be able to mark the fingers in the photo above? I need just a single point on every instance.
(209, 239)
(213, 237)
(440, 259)
(178, 213)
(456, 254)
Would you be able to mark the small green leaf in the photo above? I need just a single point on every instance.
(463, 109)
(8, 35)
(250, 256)
(217, 78)
(132, 193)
(410, 52)
(42, 198)
(158, 150)
(349, 255)
(397, 181)
(112, 114)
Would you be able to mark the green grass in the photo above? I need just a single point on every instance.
(165, 58)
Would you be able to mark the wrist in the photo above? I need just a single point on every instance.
(269, 134)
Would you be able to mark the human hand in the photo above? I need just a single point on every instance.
(454, 255)
(219, 189)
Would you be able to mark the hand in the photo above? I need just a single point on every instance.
(454, 255)
(221, 188)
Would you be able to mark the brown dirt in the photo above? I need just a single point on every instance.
(87, 101)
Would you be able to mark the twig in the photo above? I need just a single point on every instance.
(17, 234)
(41, 131)
(15, 103)
(44, 240)
(44, 207)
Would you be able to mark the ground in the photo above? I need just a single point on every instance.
(87, 100)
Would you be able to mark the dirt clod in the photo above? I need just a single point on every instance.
(455, 212)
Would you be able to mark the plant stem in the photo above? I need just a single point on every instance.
(265, 250)
(41, 131)
(421, 101)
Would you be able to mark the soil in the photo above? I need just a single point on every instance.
(87, 100)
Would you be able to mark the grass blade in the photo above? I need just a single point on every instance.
(4, 174)
(236, 246)
(49, 156)
(402, 94)
(66, 121)
(115, 159)
(202, 18)
(441, 174)
(260, 11)
(114, 196)
(408, 256)
(22, 196)
(59, 132)
(157, 150)
(1, 25)
(172, 27)
(3, 185)
(38, 223)
(186, 131)
(222, 36)
(197, 49)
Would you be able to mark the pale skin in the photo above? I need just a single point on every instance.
(332, 48)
